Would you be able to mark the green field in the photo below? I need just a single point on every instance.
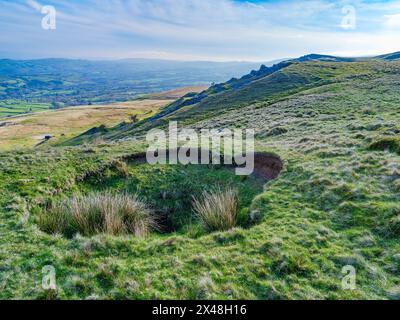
(335, 125)
(12, 108)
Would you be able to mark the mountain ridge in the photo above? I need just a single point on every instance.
(254, 75)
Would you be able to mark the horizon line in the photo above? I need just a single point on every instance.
(150, 59)
(104, 59)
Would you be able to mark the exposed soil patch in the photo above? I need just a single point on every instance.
(267, 166)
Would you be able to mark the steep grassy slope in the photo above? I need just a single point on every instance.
(249, 79)
(336, 125)
(279, 85)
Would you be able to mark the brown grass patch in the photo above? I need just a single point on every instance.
(98, 213)
(218, 209)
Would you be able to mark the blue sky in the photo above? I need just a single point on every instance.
(219, 30)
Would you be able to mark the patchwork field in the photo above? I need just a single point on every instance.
(9, 108)
(27, 85)
(30, 130)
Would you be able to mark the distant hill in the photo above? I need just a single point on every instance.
(28, 85)
(390, 57)
(321, 57)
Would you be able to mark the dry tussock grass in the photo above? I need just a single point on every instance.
(218, 209)
(92, 214)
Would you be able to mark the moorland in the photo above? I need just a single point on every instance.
(333, 122)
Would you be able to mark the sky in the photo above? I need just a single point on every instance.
(217, 30)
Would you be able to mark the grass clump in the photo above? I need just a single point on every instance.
(218, 210)
(98, 213)
(121, 168)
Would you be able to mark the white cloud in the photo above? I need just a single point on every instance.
(392, 21)
(34, 4)
(198, 29)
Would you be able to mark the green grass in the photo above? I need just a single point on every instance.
(335, 204)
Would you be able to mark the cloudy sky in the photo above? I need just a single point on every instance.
(220, 30)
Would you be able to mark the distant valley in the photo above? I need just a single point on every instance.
(28, 86)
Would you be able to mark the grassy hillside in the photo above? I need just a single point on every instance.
(280, 85)
(336, 202)
(258, 81)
